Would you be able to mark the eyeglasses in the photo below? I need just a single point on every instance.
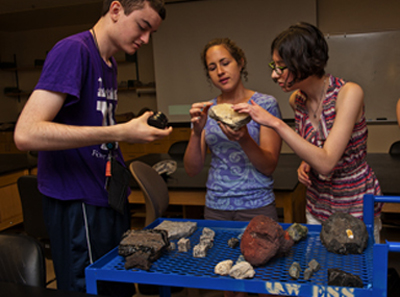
(278, 69)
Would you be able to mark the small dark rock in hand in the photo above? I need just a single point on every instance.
(158, 120)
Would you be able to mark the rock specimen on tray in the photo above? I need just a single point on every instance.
(142, 247)
(183, 245)
(263, 239)
(313, 266)
(294, 270)
(344, 234)
(177, 230)
(308, 272)
(224, 113)
(337, 277)
(206, 242)
(297, 231)
(223, 267)
(233, 242)
(208, 233)
(200, 250)
(242, 270)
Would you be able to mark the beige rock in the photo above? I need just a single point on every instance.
(224, 113)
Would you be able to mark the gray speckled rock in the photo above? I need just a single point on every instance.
(294, 270)
(308, 272)
(224, 113)
(344, 234)
(177, 230)
(314, 265)
(200, 250)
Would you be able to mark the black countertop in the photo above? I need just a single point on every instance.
(14, 162)
(285, 175)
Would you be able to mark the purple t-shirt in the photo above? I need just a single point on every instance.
(74, 67)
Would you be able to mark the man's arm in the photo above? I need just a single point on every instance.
(36, 131)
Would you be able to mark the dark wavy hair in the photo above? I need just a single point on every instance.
(303, 49)
(131, 5)
(236, 52)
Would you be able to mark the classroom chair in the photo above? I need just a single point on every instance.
(22, 260)
(395, 148)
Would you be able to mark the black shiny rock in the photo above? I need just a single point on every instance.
(158, 120)
(337, 277)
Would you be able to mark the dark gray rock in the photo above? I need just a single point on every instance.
(233, 242)
(138, 260)
(142, 247)
(337, 277)
(344, 234)
(224, 113)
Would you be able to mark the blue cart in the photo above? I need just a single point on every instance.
(179, 269)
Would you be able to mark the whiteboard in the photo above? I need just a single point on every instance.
(373, 61)
(252, 24)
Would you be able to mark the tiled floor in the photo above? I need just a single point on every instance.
(389, 232)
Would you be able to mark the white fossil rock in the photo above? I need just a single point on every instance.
(224, 113)
(223, 268)
(242, 270)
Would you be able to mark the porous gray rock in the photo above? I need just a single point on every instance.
(344, 234)
(177, 230)
(224, 113)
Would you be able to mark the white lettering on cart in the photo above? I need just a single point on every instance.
(278, 288)
(332, 292)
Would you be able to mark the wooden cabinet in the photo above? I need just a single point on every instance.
(132, 151)
(7, 145)
(10, 203)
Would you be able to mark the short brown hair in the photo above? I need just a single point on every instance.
(131, 5)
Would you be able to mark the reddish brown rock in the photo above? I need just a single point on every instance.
(263, 239)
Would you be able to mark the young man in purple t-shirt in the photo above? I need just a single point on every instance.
(69, 119)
